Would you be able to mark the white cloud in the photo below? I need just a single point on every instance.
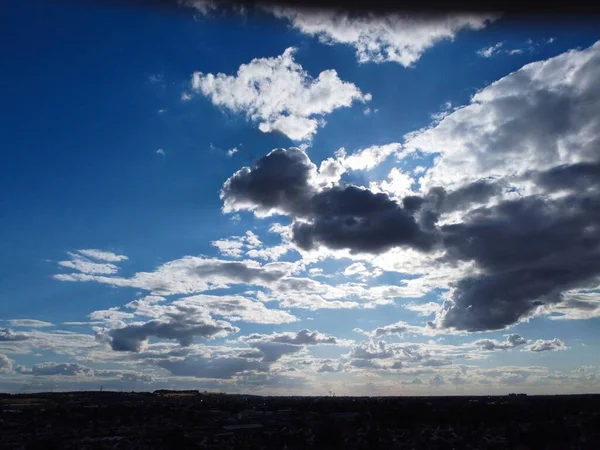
(232, 151)
(538, 117)
(279, 94)
(356, 269)
(191, 274)
(393, 37)
(6, 364)
(160, 151)
(424, 309)
(203, 7)
(85, 265)
(251, 245)
(230, 247)
(235, 308)
(29, 323)
(369, 158)
(511, 341)
(102, 255)
(331, 169)
(272, 253)
(576, 305)
(542, 345)
(491, 50)
(398, 184)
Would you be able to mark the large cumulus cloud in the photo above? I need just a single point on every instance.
(515, 193)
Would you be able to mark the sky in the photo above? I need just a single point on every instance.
(282, 201)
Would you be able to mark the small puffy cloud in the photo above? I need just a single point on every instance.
(87, 266)
(511, 341)
(394, 37)
(102, 255)
(397, 185)
(7, 335)
(269, 253)
(490, 51)
(6, 364)
(232, 151)
(330, 171)
(160, 152)
(356, 269)
(395, 328)
(29, 323)
(371, 350)
(424, 309)
(542, 345)
(235, 245)
(370, 157)
(279, 94)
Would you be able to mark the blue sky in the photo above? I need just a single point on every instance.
(124, 126)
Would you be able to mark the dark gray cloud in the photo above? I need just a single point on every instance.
(530, 250)
(273, 351)
(478, 192)
(572, 177)
(274, 346)
(343, 216)
(211, 367)
(8, 335)
(281, 180)
(238, 271)
(177, 326)
(349, 217)
(511, 341)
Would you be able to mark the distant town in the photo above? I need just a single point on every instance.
(201, 420)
